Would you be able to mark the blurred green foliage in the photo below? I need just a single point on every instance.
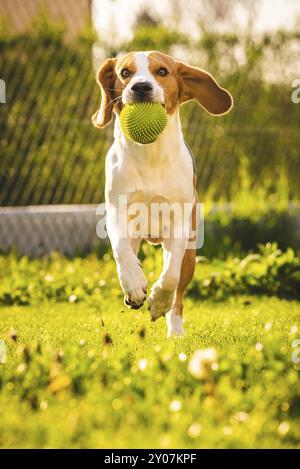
(149, 37)
(227, 231)
(24, 281)
(268, 272)
(50, 153)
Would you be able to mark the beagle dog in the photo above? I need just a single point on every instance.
(157, 173)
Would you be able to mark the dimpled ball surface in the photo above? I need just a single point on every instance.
(143, 122)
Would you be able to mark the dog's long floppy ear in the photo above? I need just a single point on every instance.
(197, 84)
(106, 77)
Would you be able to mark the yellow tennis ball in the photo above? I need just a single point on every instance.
(143, 122)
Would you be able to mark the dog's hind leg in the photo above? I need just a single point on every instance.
(162, 294)
(174, 316)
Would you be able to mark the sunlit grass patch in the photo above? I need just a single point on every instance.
(95, 375)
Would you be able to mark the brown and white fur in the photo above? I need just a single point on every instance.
(160, 171)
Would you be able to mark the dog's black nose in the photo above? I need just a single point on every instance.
(142, 87)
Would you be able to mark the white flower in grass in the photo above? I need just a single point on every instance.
(294, 329)
(175, 406)
(242, 416)
(194, 430)
(202, 362)
(143, 363)
(283, 428)
(182, 357)
(72, 299)
(49, 278)
(43, 405)
(259, 346)
(227, 431)
(268, 326)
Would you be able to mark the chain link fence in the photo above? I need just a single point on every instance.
(38, 230)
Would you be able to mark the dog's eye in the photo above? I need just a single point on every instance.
(162, 72)
(125, 73)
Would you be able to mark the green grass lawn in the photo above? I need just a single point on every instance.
(92, 374)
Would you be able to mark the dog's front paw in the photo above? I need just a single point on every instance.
(134, 285)
(160, 301)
